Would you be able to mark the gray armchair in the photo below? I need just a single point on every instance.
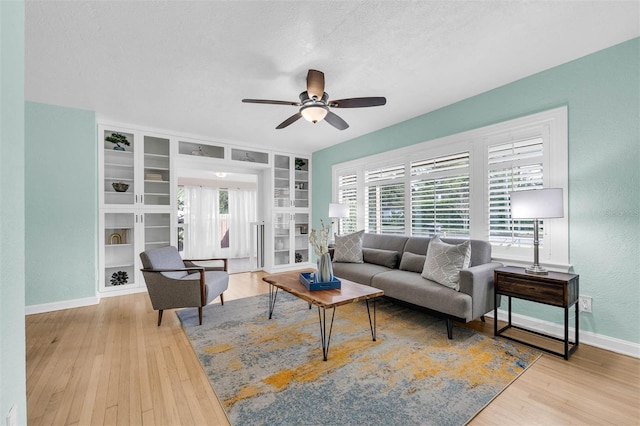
(176, 283)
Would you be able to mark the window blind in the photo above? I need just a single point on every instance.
(348, 194)
(513, 166)
(440, 196)
(384, 200)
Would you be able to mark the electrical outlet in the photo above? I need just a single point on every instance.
(584, 303)
(12, 417)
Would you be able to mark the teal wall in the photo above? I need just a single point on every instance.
(12, 249)
(61, 203)
(602, 92)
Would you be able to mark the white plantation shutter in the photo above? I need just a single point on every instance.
(384, 200)
(459, 185)
(440, 196)
(512, 166)
(348, 194)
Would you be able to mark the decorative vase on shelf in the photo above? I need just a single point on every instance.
(325, 269)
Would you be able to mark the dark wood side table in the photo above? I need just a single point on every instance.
(556, 289)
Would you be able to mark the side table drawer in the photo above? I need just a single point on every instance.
(549, 293)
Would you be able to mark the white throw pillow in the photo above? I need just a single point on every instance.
(445, 261)
(348, 248)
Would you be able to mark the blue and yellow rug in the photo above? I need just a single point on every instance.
(270, 372)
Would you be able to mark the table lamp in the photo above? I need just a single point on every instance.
(338, 211)
(537, 204)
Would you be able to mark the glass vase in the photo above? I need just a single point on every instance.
(325, 269)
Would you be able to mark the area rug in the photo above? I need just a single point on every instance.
(271, 372)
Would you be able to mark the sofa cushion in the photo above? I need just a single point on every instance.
(411, 287)
(480, 249)
(444, 262)
(348, 248)
(412, 262)
(385, 241)
(388, 258)
(361, 273)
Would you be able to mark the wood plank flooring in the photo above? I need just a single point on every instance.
(110, 364)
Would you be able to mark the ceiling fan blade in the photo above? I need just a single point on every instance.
(295, 117)
(267, 101)
(358, 102)
(315, 84)
(336, 121)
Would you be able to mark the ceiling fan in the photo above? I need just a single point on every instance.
(314, 103)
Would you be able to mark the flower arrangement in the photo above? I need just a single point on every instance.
(320, 239)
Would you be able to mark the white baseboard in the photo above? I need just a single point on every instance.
(119, 292)
(590, 338)
(58, 306)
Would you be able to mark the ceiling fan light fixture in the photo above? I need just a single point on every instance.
(314, 113)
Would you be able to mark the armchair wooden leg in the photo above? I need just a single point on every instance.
(222, 298)
(482, 319)
(159, 317)
(200, 314)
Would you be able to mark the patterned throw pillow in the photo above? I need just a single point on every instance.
(348, 248)
(444, 262)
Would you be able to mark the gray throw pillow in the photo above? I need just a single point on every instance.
(445, 261)
(388, 258)
(412, 262)
(348, 248)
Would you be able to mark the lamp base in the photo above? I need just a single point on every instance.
(536, 270)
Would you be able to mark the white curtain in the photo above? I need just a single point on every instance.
(202, 230)
(242, 211)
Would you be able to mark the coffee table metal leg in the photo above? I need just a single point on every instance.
(324, 337)
(372, 325)
(273, 293)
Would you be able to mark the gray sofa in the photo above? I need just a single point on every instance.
(393, 263)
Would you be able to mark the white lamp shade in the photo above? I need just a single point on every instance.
(338, 211)
(314, 113)
(537, 204)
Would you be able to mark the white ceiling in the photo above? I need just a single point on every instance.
(184, 66)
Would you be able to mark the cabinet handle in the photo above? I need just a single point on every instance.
(136, 199)
(142, 199)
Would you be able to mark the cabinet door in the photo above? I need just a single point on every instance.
(301, 237)
(282, 181)
(282, 239)
(119, 250)
(157, 172)
(118, 167)
(157, 230)
(301, 182)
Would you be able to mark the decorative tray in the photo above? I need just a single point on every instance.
(312, 285)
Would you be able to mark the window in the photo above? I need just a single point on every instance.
(513, 166)
(348, 194)
(384, 200)
(440, 196)
(459, 185)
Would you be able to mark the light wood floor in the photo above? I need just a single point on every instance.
(110, 364)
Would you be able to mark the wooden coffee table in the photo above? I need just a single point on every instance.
(350, 292)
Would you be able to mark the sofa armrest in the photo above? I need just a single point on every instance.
(477, 282)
